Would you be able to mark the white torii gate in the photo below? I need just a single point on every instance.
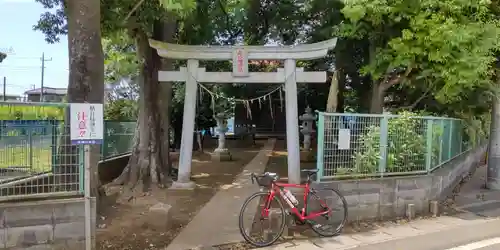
(192, 74)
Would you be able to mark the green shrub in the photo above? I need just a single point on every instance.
(367, 156)
(406, 146)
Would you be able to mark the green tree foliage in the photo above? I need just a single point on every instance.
(2, 56)
(140, 20)
(121, 70)
(120, 57)
(53, 23)
(121, 110)
(448, 44)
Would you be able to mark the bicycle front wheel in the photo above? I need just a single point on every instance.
(257, 227)
(332, 223)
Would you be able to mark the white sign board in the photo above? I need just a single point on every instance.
(87, 123)
(344, 139)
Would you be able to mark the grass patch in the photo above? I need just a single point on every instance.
(38, 160)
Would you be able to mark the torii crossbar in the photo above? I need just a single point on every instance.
(192, 74)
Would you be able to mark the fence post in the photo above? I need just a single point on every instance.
(321, 146)
(384, 124)
(103, 145)
(54, 124)
(30, 145)
(428, 149)
(81, 168)
(461, 137)
(450, 140)
(441, 141)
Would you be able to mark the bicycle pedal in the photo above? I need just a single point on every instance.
(313, 224)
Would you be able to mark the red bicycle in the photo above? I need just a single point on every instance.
(305, 213)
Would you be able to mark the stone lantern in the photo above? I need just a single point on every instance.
(221, 153)
(307, 119)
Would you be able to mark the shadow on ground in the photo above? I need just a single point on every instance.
(132, 225)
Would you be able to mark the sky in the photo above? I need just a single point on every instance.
(22, 67)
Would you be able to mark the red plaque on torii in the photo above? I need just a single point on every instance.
(240, 62)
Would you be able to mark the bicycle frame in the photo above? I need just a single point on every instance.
(301, 215)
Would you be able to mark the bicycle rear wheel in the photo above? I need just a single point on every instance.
(260, 223)
(332, 223)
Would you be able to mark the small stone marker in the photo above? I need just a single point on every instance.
(160, 208)
(160, 215)
(410, 211)
(434, 208)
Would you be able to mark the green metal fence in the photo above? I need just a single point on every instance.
(357, 145)
(34, 142)
(36, 156)
(118, 138)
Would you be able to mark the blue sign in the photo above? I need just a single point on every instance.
(349, 121)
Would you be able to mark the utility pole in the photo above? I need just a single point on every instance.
(43, 75)
(493, 169)
(4, 88)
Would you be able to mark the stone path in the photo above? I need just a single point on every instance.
(217, 221)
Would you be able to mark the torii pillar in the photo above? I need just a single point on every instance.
(240, 55)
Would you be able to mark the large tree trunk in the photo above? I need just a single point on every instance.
(150, 161)
(333, 99)
(165, 31)
(377, 99)
(86, 83)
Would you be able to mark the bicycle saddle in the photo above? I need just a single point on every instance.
(309, 171)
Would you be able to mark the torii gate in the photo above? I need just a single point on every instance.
(240, 55)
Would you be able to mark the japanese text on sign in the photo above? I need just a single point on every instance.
(240, 62)
(239, 56)
(86, 123)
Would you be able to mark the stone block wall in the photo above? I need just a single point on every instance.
(44, 224)
(385, 198)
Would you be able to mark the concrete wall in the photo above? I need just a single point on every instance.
(47, 224)
(388, 197)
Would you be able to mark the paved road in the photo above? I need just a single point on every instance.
(465, 231)
(484, 236)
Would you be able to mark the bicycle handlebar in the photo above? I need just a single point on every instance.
(255, 178)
